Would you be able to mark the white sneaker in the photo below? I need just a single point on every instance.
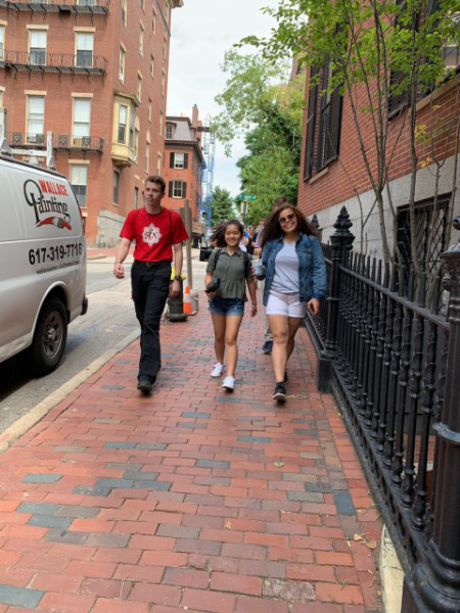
(217, 370)
(229, 383)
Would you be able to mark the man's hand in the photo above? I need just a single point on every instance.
(119, 271)
(313, 306)
(174, 289)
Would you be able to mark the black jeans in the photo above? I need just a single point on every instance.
(150, 287)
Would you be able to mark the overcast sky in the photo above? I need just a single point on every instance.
(202, 30)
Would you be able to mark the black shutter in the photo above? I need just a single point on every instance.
(397, 101)
(184, 190)
(171, 160)
(185, 160)
(170, 188)
(334, 124)
(311, 125)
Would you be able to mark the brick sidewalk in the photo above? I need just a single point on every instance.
(191, 499)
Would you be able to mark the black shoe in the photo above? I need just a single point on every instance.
(286, 378)
(145, 385)
(267, 348)
(280, 392)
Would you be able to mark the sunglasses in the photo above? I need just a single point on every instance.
(289, 217)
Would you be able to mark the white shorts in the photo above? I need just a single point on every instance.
(285, 304)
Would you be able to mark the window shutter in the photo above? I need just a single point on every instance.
(171, 160)
(185, 160)
(396, 102)
(170, 188)
(311, 125)
(184, 190)
(335, 116)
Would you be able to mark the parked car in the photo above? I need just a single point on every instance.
(43, 255)
(205, 250)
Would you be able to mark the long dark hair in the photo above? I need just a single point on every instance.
(273, 229)
(218, 235)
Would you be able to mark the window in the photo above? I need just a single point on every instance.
(35, 118)
(136, 197)
(143, 5)
(116, 186)
(124, 11)
(122, 122)
(86, 2)
(163, 83)
(136, 144)
(152, 66)
(81, 119)
(159, 164)
(122, 64)
(2, 42)
(178, 160)
(132, 120)
(177, 189)
(37, 47)
(139, 87)
(79, 181)
(169, 130)
(165, 48)
(149, 110)
(147, 156)
(311, 125)
(84, 44)
(154, 21)
(161, 123)
(141, 41)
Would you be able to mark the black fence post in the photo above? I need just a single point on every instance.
(434, 586)
(342, 242)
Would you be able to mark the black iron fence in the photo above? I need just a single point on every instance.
(39, 59)
(87, 6)
(389, 350)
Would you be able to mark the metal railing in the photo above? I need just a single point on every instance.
(391, 357)
(80, 62)
(81, 143)
(87, 6)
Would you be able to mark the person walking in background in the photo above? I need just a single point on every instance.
(158, 234)
(295, 279)
(257, 251)
(227, 273)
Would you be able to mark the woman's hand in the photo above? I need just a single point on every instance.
(313, 306)
(254, 309)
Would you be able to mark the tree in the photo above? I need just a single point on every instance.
(222, 205)
(378, 52)
(262, 103)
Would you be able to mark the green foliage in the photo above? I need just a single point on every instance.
(222, 205)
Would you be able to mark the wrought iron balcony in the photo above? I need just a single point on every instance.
(82, 62)
(92, 7)
(27, 140)
(89, 144)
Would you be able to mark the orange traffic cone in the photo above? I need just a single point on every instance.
(187, 301)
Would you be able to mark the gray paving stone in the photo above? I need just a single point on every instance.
(139, 475)
(44, 508)
(112, 540)
(183, 532)
(69, 537)
(20, 596)
(152, 446)
(212, 464)
(74, 511)
(120, 445)
(49, 521)
(124, 466)
(305, 497)
(250, 418)
(254, 439)
(194, 426)
(113, 387)
(162, 486)
(92, 490)
(114, 483)
(39, 478)
(196, 415)
(70, 448)
(344, 502)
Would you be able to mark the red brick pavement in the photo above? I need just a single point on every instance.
(191, 499)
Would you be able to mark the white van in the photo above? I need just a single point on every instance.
(42, 263)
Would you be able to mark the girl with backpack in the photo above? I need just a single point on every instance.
(227, 274)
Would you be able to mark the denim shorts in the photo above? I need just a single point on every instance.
(226, 306)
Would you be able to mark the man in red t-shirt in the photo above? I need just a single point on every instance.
(158, 233)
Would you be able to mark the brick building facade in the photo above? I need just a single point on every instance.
(95, 74)
(333, 172)
(183, 161)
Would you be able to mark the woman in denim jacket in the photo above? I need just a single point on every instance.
(295, 279)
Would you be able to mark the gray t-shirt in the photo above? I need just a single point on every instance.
(286, 279)
(231, 271)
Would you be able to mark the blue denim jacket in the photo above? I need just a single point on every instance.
(312, 267)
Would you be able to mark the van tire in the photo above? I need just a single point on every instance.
(49, 338)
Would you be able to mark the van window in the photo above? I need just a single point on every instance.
(10, 228)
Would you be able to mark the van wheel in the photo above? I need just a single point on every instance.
(49, 338)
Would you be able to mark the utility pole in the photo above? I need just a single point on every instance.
(187, 218)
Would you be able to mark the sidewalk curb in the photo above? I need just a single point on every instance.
(96, 257)
(391, 574)
(30, 419)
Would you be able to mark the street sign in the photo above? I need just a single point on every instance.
(247, 197)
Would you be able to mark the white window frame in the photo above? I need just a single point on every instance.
(84, 48)
(124, 12)
(147, 156)
(141, 40)
(179, 165)
(120, 124)
(83, 200)
(139, 87)
(81, 128)
(37, 53)
(34, 134)
(116, 183)
(178, 189)
(2, 41)
(122, 64)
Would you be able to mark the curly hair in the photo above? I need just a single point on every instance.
(273, 229)
(218, 234)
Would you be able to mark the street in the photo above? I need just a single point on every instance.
(108, 326)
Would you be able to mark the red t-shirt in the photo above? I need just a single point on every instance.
(154, 234)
